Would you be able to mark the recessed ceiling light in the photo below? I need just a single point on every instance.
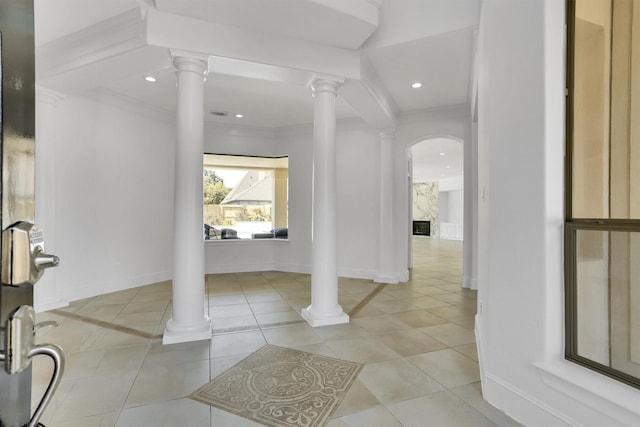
(448, 166)
(239, 116)
(150, 79)
(442, 154)
(416, 85)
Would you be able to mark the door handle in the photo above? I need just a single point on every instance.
(20, 348)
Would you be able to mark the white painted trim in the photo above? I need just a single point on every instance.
(118, 34)
(386, 278)
(357, 273)
(324, 321)
(50, 305)
(118, 284)
(235, 268)
(293, 268)
(501, 394)
(598, 392)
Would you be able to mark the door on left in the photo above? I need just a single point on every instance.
(17, 212)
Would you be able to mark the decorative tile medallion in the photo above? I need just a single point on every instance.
(281, 387)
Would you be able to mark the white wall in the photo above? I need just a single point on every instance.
(413, 128)
(358, 202)
(113, 196)
(520, 320)
(455, 207)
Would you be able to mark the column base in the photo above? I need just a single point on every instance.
(470, 283)
(174, 334)
(333, 319)
(386, 278)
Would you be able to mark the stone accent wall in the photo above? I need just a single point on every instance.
(425, 205)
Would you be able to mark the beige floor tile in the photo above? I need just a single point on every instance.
(397, 380)
(450, 334)
(337, 422)
(145, 307)
(146, 318)
(109, 338)
(177, 353)
(368, 310)
(230, 310)
(357, 399)
(122, 360)
(469, 350)
(448, 367)
(362, 349)
(418, 318)
(158, 382)
(233, 322)
(219, 365)
(376, 324)
(263, 296)
(299, 303)
(394, 306)
(441, 409)
(235, 298)
(428, 302)
(344, 330)
(319, 348)
(101, 420)
(221, 418)
(273, 318)
(378, 416)
(80, 364)
(236, 343)
(164, 295)
(472, 394)
(180, 412)
(267, 307)
(288, 336)
(453, 313)
(107, 312)
(409, 342)
(95, 395)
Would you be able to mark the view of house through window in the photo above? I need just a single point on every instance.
(245, 197)
(603, 188)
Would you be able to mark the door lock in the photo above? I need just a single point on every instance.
(23, 257)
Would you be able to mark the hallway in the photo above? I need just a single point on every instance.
(415, 339)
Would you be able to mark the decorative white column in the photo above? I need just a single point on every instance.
(324, 309)
(189, 321)
(386, 250)
(46, 295)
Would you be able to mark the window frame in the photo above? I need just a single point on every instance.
(573, 225)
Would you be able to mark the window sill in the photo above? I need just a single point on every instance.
(243, 241)
(594, 390)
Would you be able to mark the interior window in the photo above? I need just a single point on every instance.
(245, 197)
(602, 230)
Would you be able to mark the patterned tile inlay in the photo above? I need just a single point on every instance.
(281, 387)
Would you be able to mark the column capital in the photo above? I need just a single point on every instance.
(325, 83)
(190, 62)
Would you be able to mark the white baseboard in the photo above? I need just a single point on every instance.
(119, 284)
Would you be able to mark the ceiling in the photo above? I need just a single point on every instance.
(442, 62)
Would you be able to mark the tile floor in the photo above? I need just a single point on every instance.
(415, 338)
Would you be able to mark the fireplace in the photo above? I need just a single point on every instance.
(421, 228)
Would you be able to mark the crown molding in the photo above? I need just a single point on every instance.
(119, 34)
